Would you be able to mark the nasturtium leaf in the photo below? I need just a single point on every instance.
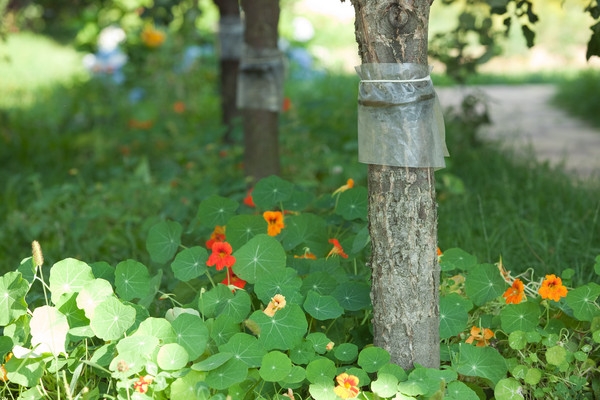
(68, 276)
(319, 341)
(517, 340)
(457, 259)
(361, 374)
(13, 289)
(352, 204)
(484, 283)
(103, 270)
(361, 240)
(453, 317)
(27, 269)
(508, 389)
(159, 328)
(284, 281)
(284, 330)
(136, 351)
(299, 200)
(226, 375)
(132, 280)
(92, 294)
(191, 333)
(533, 376)
(556, 355)
(304, 353)
(346, 352)
(18, 330)
(394, 369)
(410, 388)
(6, 345)
(49, 328)
(322, 307)
(308, 230)
(484, 362)
(321, 370)
(223, 328)
(583, 301)
(270, 192)
(429, 380)
(520, 317)
(112, 318)
(458, 390)
(245, 348)
(163, 240)
(190, 263)
(261, 256)
(209, 301)
(24, 372)
(212, 362)
(185, 386)
(372, 358)
(353, 296)
(322, 391)
(172, 357)
(275, 366)
(79, 324)
(236, 307)
(297, 374)
(386, 385)
(242, 228)
(216, 211)
(320, 282)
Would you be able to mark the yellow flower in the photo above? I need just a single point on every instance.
(552, 288)
(515, 293)
(275, 221)
(276, 304)
(349, 185)
(347, 386)
(152, 37)
(481, 335)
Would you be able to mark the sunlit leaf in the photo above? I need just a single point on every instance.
(185, 387)
(386, 385)
(261, 256)
(49, 328)
(24, 372)
(216, 211)
(212, 362)
(322, 391)
(13, 289)
(112, 318)
(319, 341)
(68, 276)
(191, 333)
(172, 357)
(159, 328)
(508, 389)
(190, 263)
(92, 294)
(163, 240)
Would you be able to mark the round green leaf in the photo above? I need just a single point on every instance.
(223, 328)
(556, 355)
(457, 259)
(242, 228)
(92, 294)
(517, 340)
(346, 352)
(321, 370)
(395, 370)
(322, 391)
(258, 258)
(216, 211)
(453, 317)
(270, 192)
(583, 301)
(111, 319)
(236, 307)
(245, 348)
(303, 354)
(352, 204)
(457, 390)
(68, 276)
(191, 333)
(159, 328)
(285, 282)
(135, 352)
(49, 328)
(163, 240)
(319, 341)
(386, 385)
(13, 289)
(227, 375)
(284, 330)
(190, 263)
(213, 362)
(484, 283)
(308, 230)
(353, 296)
(372, 358)
(172, 357)
(533, 376)
(484, 362)
(321, 282)
(508, 389)
(132, 280)
(275, 366)
(185, 387)
(322, 307)
(26, 372)
(209, 301)
(520, 317)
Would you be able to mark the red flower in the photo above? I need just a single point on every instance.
(179, 107)
(337, 249)
(233, 280)
(221, 256)
(218, 235)
(248, 199)
(287, 104)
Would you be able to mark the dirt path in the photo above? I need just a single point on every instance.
(523, 118)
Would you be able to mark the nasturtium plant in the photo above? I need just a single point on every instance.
(271, 192)
(163, 240)
(190, 263)
(261, 256)
(216, 211)
(13, 289)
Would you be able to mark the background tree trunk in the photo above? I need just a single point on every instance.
(402, 207)
(261, 123)
(230, 21)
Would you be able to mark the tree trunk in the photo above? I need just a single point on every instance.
(260, 97)
(230, 42)
(402, 207)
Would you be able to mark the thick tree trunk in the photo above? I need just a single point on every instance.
(402, 207)
(230, 32)
(261, 63)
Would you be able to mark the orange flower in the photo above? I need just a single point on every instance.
(221, 256)
(347, 386)
(337, 249)
(233, 281)
(248, 199)
(552, 288)
(142, 384)
(276, 304)
(152, 37)
(439, 252)
(349, 185)
(515, 293)
(307, 254)
(218, 235)
(275, 221)
(287, 104)
(3, 374)
(179, 107)
(481, 335)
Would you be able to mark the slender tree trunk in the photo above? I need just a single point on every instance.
(402, 207)
(260, 98)
(230, 41)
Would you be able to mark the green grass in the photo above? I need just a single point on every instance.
(580, 96)
(77, 178)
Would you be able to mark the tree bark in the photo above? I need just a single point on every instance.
(261, 122)
(402, 207)
(230, 19)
